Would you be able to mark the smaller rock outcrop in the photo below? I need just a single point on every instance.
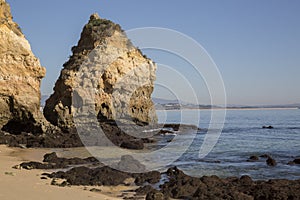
(106, 61)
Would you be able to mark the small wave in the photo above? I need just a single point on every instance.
(151, 130)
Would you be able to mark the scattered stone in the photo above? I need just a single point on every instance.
(155, 195)
(165, 131)
(297, 161)
(265, 156)
(291, 163)
(51, 161)
(253, 159)
(52, 158)
(148, 177)
(132, 144)
(10, 173)
(245, 180)
(17, 167)
(144, 190)
(181, 186)
(178, 184)
(271, 162)
(59, 182)
(38, 165)
(267, 127)
(95, 176)
(129, 181)
(129, 164)
(95, 190)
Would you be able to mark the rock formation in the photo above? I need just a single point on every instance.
(20, 78)
(120, 75)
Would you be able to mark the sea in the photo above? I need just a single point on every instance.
(241, 137)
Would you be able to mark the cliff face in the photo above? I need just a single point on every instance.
(20, 78)
(120, 75)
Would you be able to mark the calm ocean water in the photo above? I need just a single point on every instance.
(241, 138)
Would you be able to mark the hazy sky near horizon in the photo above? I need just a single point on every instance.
(255, 44)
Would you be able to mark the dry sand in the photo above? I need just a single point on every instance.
(16, 184)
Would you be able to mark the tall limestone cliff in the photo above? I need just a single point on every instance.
(20, 78)
(122, 77)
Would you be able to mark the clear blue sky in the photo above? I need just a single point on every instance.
(255, 44)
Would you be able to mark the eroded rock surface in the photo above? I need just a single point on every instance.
(20, 78)
(105, 62)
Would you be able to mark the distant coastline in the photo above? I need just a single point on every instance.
(232, 108)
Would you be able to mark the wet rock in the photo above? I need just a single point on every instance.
(165, 131)
(291, 163)
(297, 161)
(148, 177)
(132, 144)
(128, 163)
(155, 195)
(265, 156)
(51, 161)
(95, 176)
(253, 159)
(246, 180)
(38, 165)
(267, 127)
(181, 186)
(271, 162)
(144, 190)
(95, 190)
(52, 158)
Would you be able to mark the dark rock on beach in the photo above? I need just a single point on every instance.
(148, 177)
(128, 163)
(51, 161)
(51, 139)
(138, 144)
(95, 176)
(212, 187)
(177, 185)
(38, 165)
(155, 195)
(52, 158)
(102, 176)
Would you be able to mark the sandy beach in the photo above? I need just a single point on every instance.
(23, 184)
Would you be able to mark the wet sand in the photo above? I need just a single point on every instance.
(22, 184)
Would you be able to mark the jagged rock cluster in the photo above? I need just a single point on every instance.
(105, 61)
(20, 78)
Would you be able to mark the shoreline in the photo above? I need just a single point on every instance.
(28, 185)
(82, 183)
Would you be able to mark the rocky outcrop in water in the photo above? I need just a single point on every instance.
(20, 78)
(120, 75)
